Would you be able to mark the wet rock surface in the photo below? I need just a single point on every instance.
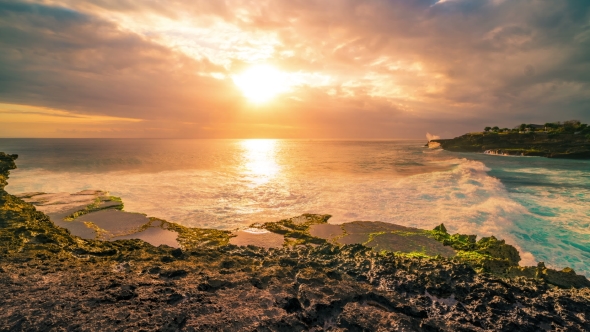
(52, 281)
(257, 237)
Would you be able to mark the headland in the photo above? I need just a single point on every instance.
(552, 140)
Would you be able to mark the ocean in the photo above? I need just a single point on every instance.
(539, 205)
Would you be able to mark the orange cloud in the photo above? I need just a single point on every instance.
(355, 69)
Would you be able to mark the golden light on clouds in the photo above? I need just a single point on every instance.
(49, 122)
(12, 113)
(261, 83)
(326, 69)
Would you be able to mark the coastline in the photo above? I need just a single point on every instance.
(563, 146)
(321, 276)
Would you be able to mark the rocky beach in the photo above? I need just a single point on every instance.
(80, 262)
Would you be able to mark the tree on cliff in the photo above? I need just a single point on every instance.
(571, 125)
(495, 129)
(522, 127)
(486, 129)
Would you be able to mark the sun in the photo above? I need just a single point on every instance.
(261, 83)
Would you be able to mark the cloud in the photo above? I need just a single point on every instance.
(88, 65)
(368, 69)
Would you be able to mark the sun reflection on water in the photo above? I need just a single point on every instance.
(260, 165)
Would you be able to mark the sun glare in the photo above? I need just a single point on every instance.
(260, 164)
(261, 83)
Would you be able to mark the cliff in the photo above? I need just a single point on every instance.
(53, 280)
(549, 145)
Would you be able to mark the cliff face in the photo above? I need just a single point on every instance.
(529, 144)
(52, 280)
(6, 164)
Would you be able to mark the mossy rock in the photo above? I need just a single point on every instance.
(296, 230)
(192, 238)
(486, 255)
(455, 241)
(498, 249)
(565, 278)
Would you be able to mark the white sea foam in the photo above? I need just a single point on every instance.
(358, 181)
(430, 136)
(253, 230)
(465, 198)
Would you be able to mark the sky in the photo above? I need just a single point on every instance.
(290, 68)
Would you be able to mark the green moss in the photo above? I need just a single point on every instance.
(89, 208)
(415, 254)
(191, 238)
(406, 233)
(472, 256)
(116, 199)
(566, 278)
(486, 255)
(97, 205)
(498, 249)
(455, 241)
(441, 228)
(482, 262)
(344, 233)
(101, 234)
(296, 230)
(372, 237)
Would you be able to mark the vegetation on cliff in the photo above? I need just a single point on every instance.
(553, 128)
(570, 139)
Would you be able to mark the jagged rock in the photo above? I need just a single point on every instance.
(498, 249)
(441, 228)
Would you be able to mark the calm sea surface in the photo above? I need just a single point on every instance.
(540, 205)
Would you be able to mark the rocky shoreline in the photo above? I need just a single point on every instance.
(88, 273)
(538, 144)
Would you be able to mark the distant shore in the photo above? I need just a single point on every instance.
(540, 144)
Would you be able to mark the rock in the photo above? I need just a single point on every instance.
(166, 259)
(124, 293)
(177, 253)
(441, 228)
(499, 249)
(291, 305)
(175, 298)
(173, 274)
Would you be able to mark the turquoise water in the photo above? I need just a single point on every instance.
(540, 205)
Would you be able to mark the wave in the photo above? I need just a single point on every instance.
(461, 194)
